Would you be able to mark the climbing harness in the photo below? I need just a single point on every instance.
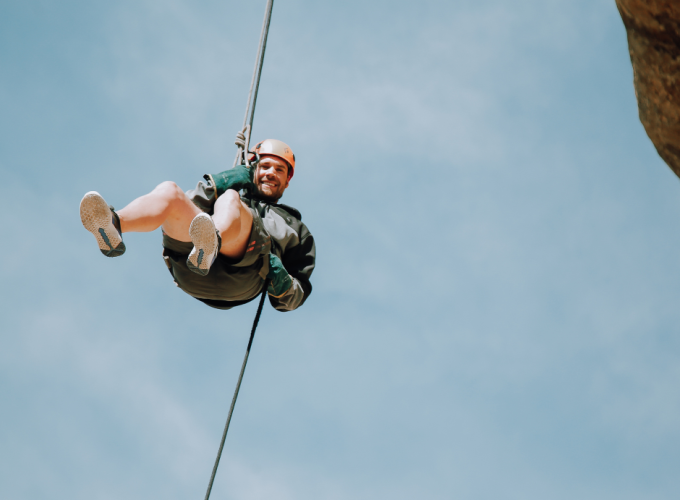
(242, 141)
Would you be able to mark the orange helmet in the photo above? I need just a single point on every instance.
(277, 148)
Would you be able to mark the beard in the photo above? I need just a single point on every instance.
(268, 195)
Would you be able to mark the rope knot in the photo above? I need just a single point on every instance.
(242, 140)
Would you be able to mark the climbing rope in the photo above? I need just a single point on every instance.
(243, 141)
(238, 386)
(243, 137)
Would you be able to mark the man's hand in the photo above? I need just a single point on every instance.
(237, 178)
(279, 279)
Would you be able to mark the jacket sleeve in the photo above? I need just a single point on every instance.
(299, 261)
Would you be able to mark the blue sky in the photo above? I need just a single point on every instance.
(494, 313)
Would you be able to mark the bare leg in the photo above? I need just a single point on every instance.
(166, 205)
(234, 221)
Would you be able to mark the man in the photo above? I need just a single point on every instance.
(221, 247)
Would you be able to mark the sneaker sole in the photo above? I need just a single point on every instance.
(204, 237)
(96, 216)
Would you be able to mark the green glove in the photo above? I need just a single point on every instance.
(279, 279)
(237, 178)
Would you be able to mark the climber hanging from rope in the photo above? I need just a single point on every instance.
(221, 247)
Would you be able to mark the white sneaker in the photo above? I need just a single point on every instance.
(100, 220)
(206, 242)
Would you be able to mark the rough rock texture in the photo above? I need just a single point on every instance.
(653, 28)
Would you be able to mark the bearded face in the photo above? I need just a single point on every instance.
(271, 177)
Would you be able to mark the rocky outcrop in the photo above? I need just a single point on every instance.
(653, 28)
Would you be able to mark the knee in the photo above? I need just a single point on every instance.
(169, 190)
(229, 197)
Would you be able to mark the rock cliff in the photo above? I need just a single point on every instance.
(653, 28)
